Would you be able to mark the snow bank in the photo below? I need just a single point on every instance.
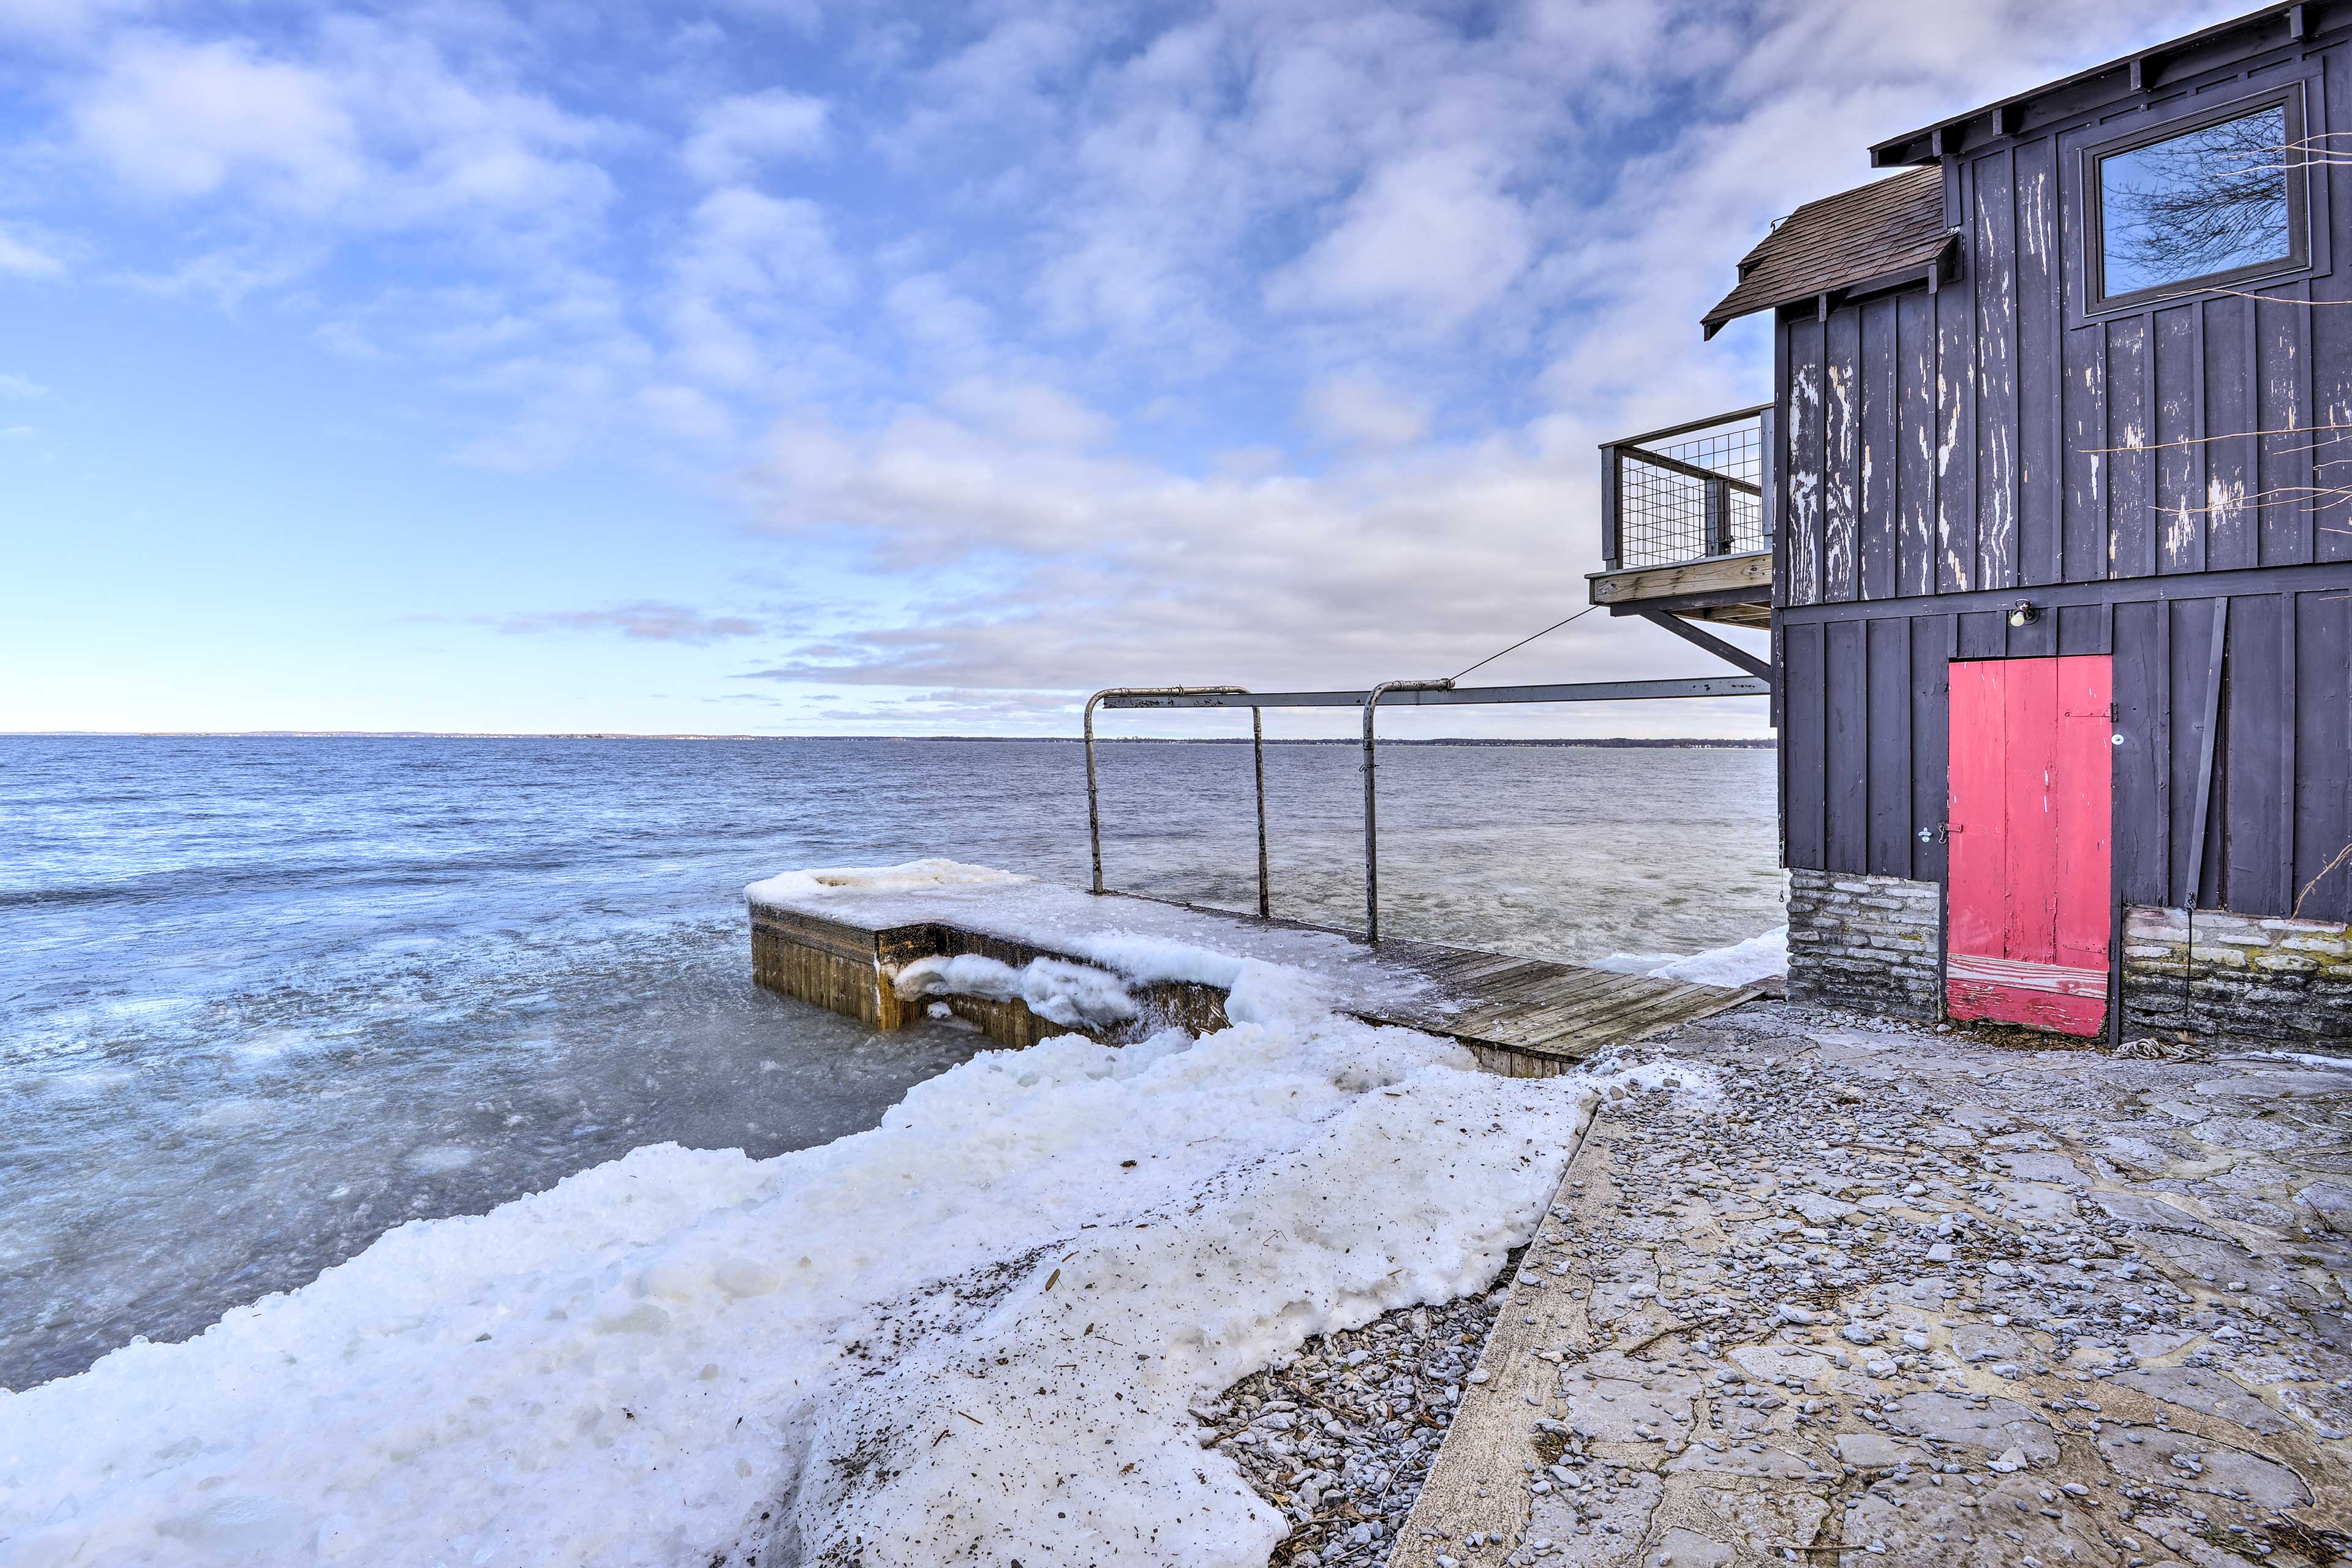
(967, 1335)
(1742, 963)
(1068, 994)
(912, 876)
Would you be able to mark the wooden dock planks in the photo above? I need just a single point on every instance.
(1535, 1007)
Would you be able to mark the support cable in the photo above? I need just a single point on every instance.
(1525, 641)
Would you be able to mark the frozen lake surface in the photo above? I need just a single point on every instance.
(262, 1000)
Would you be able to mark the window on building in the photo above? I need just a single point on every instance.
(2218, 202)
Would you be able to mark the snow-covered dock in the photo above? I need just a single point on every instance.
(1023, 959)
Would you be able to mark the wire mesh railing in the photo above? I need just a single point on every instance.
(1687, 493)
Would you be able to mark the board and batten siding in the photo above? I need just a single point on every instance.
(1951, 451)
(1866, 731)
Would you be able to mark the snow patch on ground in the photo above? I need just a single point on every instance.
(970, 1333)
(2302, 1059)
(1742, 963)
(1696, 1088)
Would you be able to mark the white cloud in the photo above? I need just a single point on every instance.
(373, 129)
(755, 271)
(348, 338)
(181, 120)
(687, 413)
(1122, 570)
(21, 386)
(1431, 234)
(806, 16)
(1002, 82)
(943, 324)
(733, 138)
(24, 257)
(565, 404)
(229, 274)
(749, 245)
(63, 20)
(1355, 409)
(1028, 414)
(645, 620)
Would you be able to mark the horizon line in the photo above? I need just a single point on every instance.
(734, 735)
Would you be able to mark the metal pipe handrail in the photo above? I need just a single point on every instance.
(1452, 696)
(1412, 692)
(1372, 796)
(1094, 803)
(1257, 762)
(1734, 417)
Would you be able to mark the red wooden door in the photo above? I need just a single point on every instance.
(2029, 893)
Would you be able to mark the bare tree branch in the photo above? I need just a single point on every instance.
(2341, 856)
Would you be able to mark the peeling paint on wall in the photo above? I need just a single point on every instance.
(1804, 483)
(2179, 531)
(2033, 216)
(1838, 502)
(2225, 502)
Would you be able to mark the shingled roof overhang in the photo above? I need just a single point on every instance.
(2223, 44)
(1875, 236)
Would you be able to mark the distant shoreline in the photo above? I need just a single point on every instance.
(1710, 743)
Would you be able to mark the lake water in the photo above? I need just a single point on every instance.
(261, 1000)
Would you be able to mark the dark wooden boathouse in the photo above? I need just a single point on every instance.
(2051, 517)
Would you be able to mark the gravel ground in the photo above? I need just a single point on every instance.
(1915, 1297)
(1339, 1436)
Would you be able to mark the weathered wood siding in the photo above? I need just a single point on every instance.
(1992, 436)
(1865, 727)
(1950, 451)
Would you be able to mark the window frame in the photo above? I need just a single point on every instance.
(2288, 97)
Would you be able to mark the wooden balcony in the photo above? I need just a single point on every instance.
(1686, 521)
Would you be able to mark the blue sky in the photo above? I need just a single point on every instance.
(786, 366)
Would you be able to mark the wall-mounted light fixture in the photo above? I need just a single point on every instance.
(2024, 613)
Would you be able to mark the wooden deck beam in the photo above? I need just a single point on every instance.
(1741, 579)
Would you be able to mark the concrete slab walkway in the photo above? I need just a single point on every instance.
(1905, 1297)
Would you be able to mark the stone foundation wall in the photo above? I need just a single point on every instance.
(2278, 982)
(1866, 944)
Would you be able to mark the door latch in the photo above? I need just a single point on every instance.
(1938, 834)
